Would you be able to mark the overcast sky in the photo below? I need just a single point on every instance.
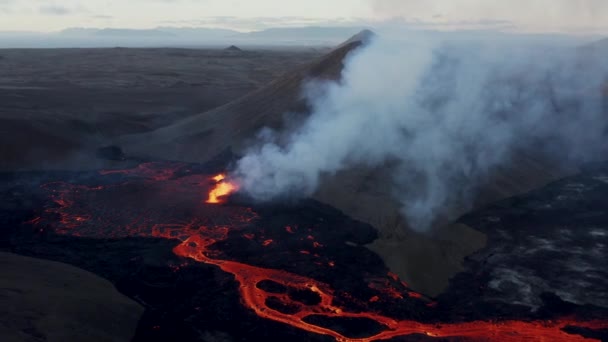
(575, 16)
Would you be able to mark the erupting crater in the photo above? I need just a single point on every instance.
(223, 188)
(164, 201)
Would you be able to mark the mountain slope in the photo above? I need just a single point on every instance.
(203, 136)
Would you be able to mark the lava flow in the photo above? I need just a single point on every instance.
(249, 277)
(114, 211)
(222, 189)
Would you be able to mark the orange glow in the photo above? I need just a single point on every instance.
(77, 213)
(223, 188)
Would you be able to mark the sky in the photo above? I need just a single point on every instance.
(565, 16)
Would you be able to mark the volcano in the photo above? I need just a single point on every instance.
(233, 127)
(167, 226)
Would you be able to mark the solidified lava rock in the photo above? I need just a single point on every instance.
(306, 297)
(271, 287)
(545, 254)
(600, 335)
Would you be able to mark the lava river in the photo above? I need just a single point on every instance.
(191, 212)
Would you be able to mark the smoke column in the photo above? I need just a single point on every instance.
(444, 115)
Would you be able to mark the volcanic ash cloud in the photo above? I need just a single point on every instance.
(444, 115)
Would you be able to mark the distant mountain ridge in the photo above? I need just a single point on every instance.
(133, 33)
(164, 36)
(312, 33)
(306, 33)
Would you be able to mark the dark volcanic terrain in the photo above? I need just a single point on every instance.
(57, 105)
(299, 271)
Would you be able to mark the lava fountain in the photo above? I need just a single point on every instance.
(223, 188)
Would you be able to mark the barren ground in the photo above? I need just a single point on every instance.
(59, 105)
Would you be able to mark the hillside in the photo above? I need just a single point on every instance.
(203, 136)
(50, 301)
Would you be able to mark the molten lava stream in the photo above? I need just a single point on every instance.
(255, 298)
(76, 217)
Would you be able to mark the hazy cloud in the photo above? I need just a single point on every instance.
(102, 17)
(6, 5)
(529, 15)
(397, 23)
(260, 23)
(55, 10)
(534, 15)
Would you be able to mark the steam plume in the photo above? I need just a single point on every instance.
(445, 114)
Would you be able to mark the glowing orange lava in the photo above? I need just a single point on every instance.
(81, 211)
(222, 189)
(248, 276)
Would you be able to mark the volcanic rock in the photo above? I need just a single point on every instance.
(549, 241)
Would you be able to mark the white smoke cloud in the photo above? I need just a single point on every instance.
(588, 16)
(445, 114)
